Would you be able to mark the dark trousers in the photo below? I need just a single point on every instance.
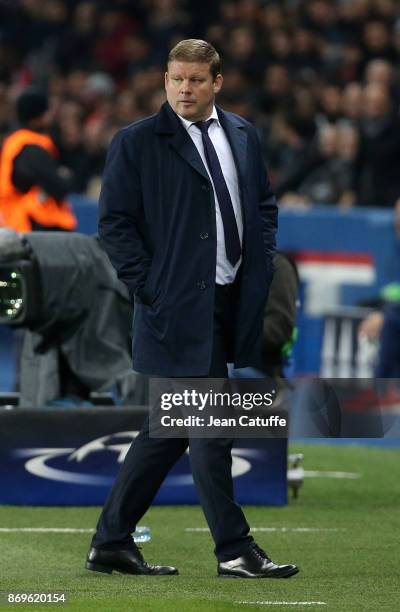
(149, 460)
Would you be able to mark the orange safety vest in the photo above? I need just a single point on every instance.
(17, 209)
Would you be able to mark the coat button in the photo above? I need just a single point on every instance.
(204, 236)
(204, 187)
(202, 285)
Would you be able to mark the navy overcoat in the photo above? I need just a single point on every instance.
(157, 224)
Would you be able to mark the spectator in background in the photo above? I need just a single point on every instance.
(306, 56)
(381, 327)
(377, 41)
(381, 72)
(32, 187)
(347, 151)
(301, 62)
(377, 179)
(349, 65)
(286, 147)
(166, 20)
(243, 54)
(396, 37)
(277, 90)
(78, 41)
(320, 17)
(114, 27)
(281, 47)
(69, 136)
(326, 176)
(279, 329)
(352, 102)
(330, 101)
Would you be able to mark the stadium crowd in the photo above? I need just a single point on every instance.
(319, 78)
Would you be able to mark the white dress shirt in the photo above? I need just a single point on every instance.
(225, 272)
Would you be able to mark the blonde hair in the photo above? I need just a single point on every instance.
(196, 50)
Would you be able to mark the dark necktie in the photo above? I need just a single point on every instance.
(232, 241)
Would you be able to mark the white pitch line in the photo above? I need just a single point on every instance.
(283, 603)
(189, 529)
(44, 530)
(330, 474)
(275, 529)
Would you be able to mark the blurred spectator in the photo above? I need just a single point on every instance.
(377, 168)
(289, 66)
(167, 22)
(79, 40)
(326, 175)
(286, 148)
(377, 41)
(349, 67)
(371, 327)
(381, 72)
(277, 90)
(330, 100)
(243, 54)
(381, 328)
(306, 51)
(352, 102)
(113, 29)
(32, 186)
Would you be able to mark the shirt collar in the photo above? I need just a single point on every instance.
(188, 124)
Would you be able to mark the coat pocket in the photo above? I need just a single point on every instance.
(153, 286)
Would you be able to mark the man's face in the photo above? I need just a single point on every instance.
(191, 89)
(44, 122)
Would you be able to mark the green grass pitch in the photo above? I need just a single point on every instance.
(351, 564)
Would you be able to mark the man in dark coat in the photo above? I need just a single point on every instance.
(377, 176)
(188, 219)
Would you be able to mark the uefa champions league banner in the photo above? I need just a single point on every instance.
(71, 457)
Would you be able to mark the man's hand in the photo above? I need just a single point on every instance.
(371, 326)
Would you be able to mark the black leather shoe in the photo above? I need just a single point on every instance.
(125, 562)
(255, 563)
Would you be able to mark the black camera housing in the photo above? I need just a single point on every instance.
(20, 301)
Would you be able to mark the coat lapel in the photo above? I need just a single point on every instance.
(168, 123)
(184, 145)
(237, 136)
